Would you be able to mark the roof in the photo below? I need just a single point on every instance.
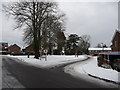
(111, 53)
(117, 31)
(99, 49)
(14, 45)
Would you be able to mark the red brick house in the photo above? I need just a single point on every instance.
(14, 48)
(116, 41)
(29, 48)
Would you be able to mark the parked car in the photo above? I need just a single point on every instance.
(116, 64)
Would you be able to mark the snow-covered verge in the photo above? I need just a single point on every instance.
(94, 70)
(52, 60)
(90, 67)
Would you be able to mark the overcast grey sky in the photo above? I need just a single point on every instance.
(97, 19)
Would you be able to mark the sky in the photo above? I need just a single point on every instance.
(94, 18)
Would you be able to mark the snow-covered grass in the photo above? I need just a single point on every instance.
(52, 60)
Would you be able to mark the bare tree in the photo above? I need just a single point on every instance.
(33, 17)
(101, 45)
(54, 25)
(84, 44)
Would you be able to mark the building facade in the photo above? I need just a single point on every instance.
(29, 48)
(14, 48)
(116, 41)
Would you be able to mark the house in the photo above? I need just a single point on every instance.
(14, 48)
(96, 51)
(29, 48)
(116, 41)
(110, 58)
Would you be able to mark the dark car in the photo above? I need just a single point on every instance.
(116, 64)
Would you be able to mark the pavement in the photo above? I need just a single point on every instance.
(8, 80)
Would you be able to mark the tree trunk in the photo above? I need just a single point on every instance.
(36, 48)
(36, 43)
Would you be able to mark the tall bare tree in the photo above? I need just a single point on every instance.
(84, 44)
(33, 17)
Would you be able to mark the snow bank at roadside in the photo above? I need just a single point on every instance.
(52, 60)
(92, 68)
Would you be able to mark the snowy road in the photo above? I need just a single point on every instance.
(33, 77)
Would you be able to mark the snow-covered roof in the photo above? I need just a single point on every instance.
(99, 49)
(117, 31)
